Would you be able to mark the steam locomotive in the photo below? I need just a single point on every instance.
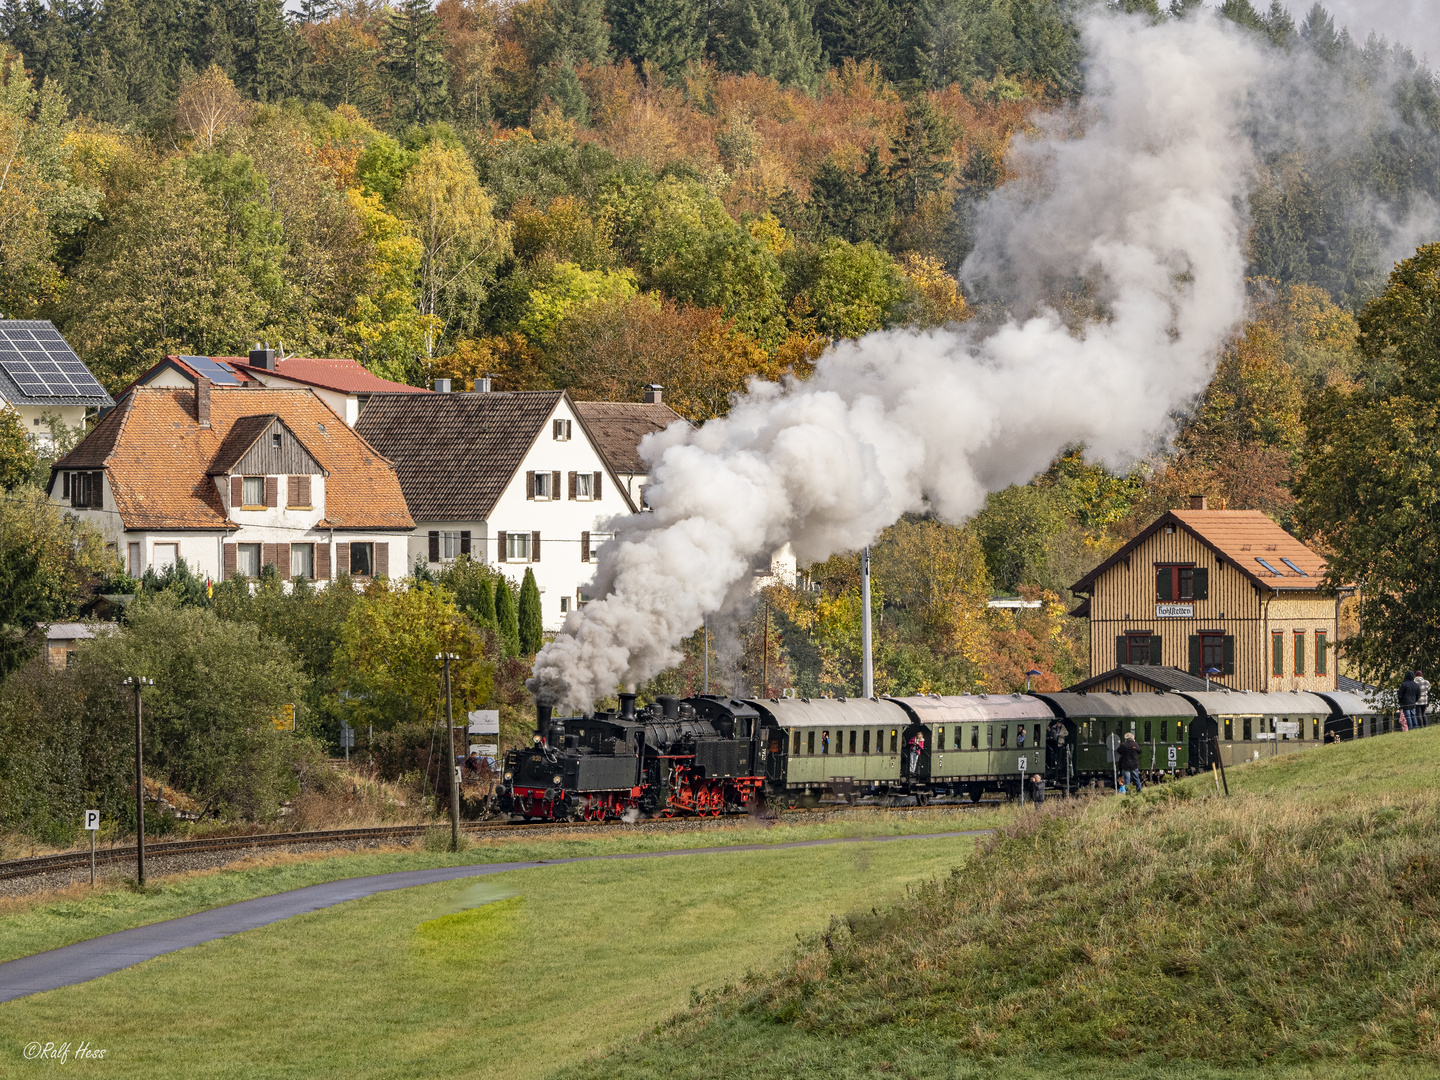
(711, 754)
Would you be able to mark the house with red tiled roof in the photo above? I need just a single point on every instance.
(232, 478)
(1205, 590)
(343, 385)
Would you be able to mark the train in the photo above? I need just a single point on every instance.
(712, 754)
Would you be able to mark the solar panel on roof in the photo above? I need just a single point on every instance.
(42, 365)
(213, 370)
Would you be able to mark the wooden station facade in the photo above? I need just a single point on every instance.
(1227, 590)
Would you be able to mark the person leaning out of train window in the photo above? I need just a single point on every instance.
(1407, 698)
(824, 743)
(1128, 758)
(916, 746)
(1020, 737)
(1424, 700)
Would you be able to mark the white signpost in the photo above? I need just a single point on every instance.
(1024, 761)
(92, 822)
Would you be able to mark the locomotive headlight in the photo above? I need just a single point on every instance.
(558, 779)
(507, 775)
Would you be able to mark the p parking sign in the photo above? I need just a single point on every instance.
(92, 819)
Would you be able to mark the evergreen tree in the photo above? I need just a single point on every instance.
(528, 625)
(565, 90)
(506, 618)
(854, 206)
(577, 32)
(666, 33)
(774, 38)
(920, 164)
(858, 30)
(413, 59)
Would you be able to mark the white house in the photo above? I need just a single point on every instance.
(231, 479)
(41, 377)
(344, 386)
(515, 480)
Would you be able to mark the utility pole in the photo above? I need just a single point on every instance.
(137, 682)
(867, 655)
(450, 756)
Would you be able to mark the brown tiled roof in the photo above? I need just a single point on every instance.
(618, 426)
(1241, 537)
(343, 376)
(455, 453)
(157, 458)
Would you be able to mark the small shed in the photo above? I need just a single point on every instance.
(61, 639)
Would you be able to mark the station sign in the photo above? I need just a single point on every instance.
(484, 722)
(1174, 611)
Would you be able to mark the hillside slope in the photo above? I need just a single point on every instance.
(1290, 928)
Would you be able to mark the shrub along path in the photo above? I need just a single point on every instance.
(91, 959)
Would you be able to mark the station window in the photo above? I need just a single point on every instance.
(974, 736)
(1322, 663)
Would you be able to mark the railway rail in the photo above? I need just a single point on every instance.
(69, 860)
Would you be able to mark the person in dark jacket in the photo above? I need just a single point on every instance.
(1408, 698)
(1128, 758)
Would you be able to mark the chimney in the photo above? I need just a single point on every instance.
(440, 386)
(542, 720)
(1198, 502)
(262, 356)
(654, 393)
(482, 384)
(627, 706)
(202, 401)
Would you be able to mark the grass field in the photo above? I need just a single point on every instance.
(508, 978)
(32, 924)
(1291, 930)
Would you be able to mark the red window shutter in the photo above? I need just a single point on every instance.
(535, 546)
(322, 562)
(530, 484)
(267, 555)
(434, 545)
(272, 491)
(237, 492)
(595, 491)
(382, 559)
(500, 546)
(572, 485)
(464, 541)
(230, 563)
(282, 561)
(584, 547)
(342, 559)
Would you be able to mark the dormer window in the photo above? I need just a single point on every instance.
(562, 430)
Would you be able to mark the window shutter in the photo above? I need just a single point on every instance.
(65, 480)
(555, 484)
(230, 556)
(501, 549)
(572, 485)
(267, 555)
(97, 490)
(1155, 660)
(1229, 654)
(1122, 654)
(1202, 583)
(1195, 655)
(342, 559)
(282, 561)
(535, 546)
(1162, 583)
(584, 547)
(464, 541)
(272, 491)
(305, 492)
(322, 562)
(530, 484)
(237, 492)
(595, 490)
(434, 545)
(382, 559)
(292, 491)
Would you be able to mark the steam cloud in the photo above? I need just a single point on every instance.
(1146, 206)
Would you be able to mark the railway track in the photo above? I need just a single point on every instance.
(44, 864)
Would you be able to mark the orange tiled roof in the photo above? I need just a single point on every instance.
(1241, 537)
(343, 376)
(157, 456)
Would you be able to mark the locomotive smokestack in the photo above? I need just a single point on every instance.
(542, 720)
(627, 706)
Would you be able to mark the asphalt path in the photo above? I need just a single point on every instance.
(86, 960)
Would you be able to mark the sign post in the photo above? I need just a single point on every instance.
(484, 722)
(92, 822)
(1024, 761)
(445, 659)
(138, 682)
(1112, 744)
(347, 738)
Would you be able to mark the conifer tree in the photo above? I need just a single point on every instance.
(774, 38)
(529, 622)
(413, 58)
(577, 32)
(506, 617)
(565, 90)
(858, 30)
(666, 33)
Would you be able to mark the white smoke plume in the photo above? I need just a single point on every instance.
(1147, 205)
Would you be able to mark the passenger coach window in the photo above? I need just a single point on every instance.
(1004, 736)
(864, 742)
(809, 746)
(894, 741)
(939, 738)
(1317, 728)
(797, 743)
(1248, 734)
(1147, 735)
(1036, 740)
(975, 737)
(1164, 731)
(852, 741)
(1229, 729)
(989, 736)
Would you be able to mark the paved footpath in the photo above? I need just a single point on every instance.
(86, 960)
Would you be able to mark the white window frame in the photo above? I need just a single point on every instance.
(561, 430)
(132, 559)
(517, 547)
(245, 488)
(450, 545)
(354, 548)
(243, 555)
(545, 480)
(306, 552)
(585, 486)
